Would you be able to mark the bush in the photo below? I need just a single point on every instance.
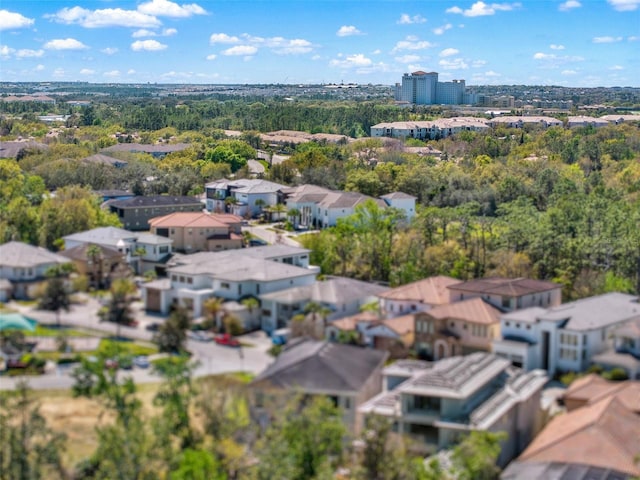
(616, 374)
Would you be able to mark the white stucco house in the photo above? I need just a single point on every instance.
(566, 337)
(23, 269)
(230, 275)
(249, 196)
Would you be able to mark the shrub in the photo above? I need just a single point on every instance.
(616, 374)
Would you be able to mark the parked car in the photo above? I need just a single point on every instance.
(227, 339)
(111, 364)
(141, 361)
(153, 327)
(200, 335)
(257, 242)
(280, 336)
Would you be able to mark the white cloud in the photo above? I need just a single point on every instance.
(11, 20)
(65, 44)
(168, 32)
(556, 47)
(616, 67)
(165, 8)
(112, 73)
(624, 5)
(108, 17)
(27, 53)
(408, 58)
(347, 31)
(606, 39)
(478, 63)
(411, 43)
(377, 51)
(147, 45)
(131, 71)
(58, 72)
(447, 52)
(453, 64)
(406, 19)
(352, 61)
(87, 71)
(633, 39)
(245, 50)
(551, 60)
(480, 9)
(222, 38)
(213, 56)
(568, 72)
(39, 67)
(109, 50)
(143, 33)
(569, 5)
(491, 73)
(6, 51)
(440, 30)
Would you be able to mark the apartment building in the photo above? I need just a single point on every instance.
(135, 212)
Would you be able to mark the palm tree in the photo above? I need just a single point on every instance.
(94, 258)
(259, 203)
(212, 307)
(294, 216)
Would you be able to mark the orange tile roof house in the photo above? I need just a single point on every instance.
(418, 296)
(593, 388)
(198, 231)
(598, 440)
(457, 329)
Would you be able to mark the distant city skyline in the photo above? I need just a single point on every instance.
(579, 43)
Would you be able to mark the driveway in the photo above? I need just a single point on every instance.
(211, 358)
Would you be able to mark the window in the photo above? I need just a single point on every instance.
(507, 324)
(174, 278)
(266, 313)
(189, 280)
(189, 231)
(181, 279)
(224, 285)
(506, 302)
(347, 403)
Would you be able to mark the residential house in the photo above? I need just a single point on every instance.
(23, 269)
(395, 335)
(320, 207)
(430, 130)
(159, 150)
(517, 121)
(457, 329)
(135, 212)
(565, 337)
(101, 159)
(14, 149)
(435, 404)
(230, 275)
(596, 440)
(624, 351)
(339, 295)
(584, 121)
(113, 194)
(199, 232)
(142, 251)
(309, 367)
(402, 201)
(418, 296)
(509, 293)
(353, 325)
(242, 197)
(592, 388)
(100, 264)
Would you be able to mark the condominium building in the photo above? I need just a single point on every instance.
(423, 88)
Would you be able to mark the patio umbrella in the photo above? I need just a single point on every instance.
(15, 321)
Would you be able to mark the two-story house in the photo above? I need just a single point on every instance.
(23, 269)
(419, 296)
(565, 337)
(242, 197)
(457, 328)
(435, 404)
(509, 293)
(199, 232)
(135, 212)
(625, 349)
(339, 295)
(309, 367)
(229, 275)
(142, 251)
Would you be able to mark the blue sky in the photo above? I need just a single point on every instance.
(584, 43)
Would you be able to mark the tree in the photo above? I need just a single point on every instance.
(475, 457)
(172, 335)
(56, 296)
(304, 440)
(29, 449)
(197, 465)
(118, 309)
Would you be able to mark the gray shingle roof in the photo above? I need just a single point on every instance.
(153, 201)
(335, 290)
(314, 366)
(23, 255)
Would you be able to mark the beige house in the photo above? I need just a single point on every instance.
(457, 329)
(199, 232)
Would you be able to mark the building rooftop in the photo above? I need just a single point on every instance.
(431, 291)
(474, 310)
(105, 160)
(23, 255)
(147, 148)
(314, 366)
(81, 252)
(514, 287)
(592, 388)
(153, 201)
(247, 185)
(110, 236)
(194, 220)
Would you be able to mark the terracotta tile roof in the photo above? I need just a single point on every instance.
(604, 434)
(189, 219)
(474, 310)
(432, 290)
(593, 388)
(350, 322)
(505, 286)
(401, 325)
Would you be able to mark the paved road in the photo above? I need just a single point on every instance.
(211, 358)
(266, 233)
